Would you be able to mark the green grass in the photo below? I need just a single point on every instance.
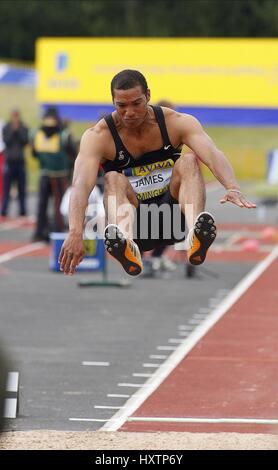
(246, 147)
(263, 189)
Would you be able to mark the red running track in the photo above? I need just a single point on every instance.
(232, 372)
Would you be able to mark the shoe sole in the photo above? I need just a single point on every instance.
(118, 247)
(205, 232)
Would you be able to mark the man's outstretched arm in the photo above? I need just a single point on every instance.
(195, 137)
(84, 179)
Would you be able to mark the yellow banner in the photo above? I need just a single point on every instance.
(197, 72)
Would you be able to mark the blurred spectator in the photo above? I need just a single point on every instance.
(15, 137)
(72, 146)
(51, 144)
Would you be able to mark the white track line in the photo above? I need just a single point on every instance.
(200, 315)
(232, 240)
(236, 249)
(140, 374)
(150, 365)
(23, 250)
(205, 310)
(91, 420)
(12, 382)
(10, 407)
(117, 395)
(194, 321)
(206, 420)
(10, 225)
(158, 356)
(14, 224)
(213, 302)
(130, 385)
(10, 404)
(94, 363)
(176, 340)
(174, 359)
(107, 407)
(166, 348)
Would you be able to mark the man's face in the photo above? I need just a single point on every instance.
(15, 117)
(131, 106)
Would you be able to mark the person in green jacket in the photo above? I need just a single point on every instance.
(52, 145)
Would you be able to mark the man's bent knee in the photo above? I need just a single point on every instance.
(185, 169)
(117, 183)
(187, 161)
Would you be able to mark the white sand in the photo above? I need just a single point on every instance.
(104, 440)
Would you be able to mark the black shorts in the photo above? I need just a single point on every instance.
(159, 222)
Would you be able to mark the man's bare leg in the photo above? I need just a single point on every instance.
(120, 202)
(188, 187)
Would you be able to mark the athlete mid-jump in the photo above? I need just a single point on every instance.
(139, 148)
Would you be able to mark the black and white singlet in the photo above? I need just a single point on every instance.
(149, 175)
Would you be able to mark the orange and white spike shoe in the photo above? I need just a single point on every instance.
(200, 238)
(123, 250)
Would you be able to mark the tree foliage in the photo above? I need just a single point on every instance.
(23, 21)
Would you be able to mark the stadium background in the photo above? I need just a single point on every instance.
(229, 84)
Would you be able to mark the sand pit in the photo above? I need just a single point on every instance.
(104, 440)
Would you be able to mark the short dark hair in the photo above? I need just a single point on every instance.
(52, 112)
(127, 79)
